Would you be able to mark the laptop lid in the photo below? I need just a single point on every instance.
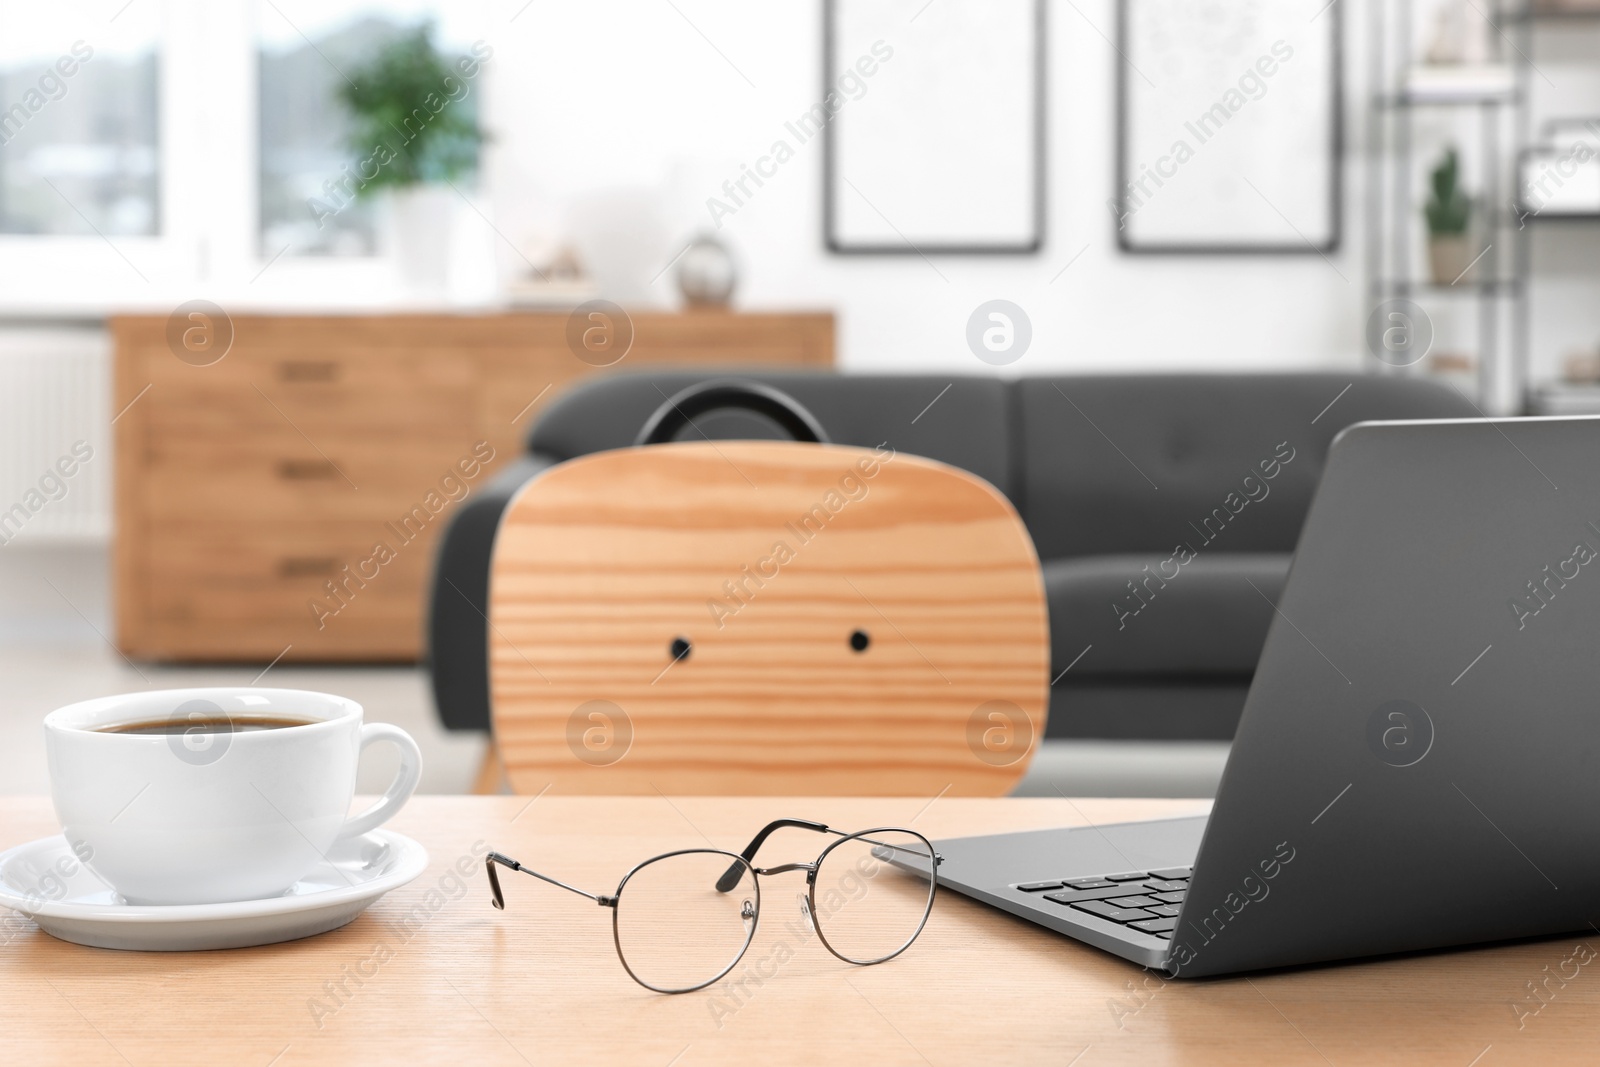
(1418, 760)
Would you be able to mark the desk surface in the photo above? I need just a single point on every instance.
(461, 983)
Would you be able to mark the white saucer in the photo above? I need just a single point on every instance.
(84, 910)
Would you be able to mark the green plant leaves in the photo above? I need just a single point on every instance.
(1449, 210)
(414, 118)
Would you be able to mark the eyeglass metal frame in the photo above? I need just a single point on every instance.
(738, 865)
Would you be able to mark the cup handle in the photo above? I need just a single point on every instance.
(405, 782)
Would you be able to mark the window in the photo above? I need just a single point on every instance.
(307, 52)
(79, 129)
(151, 150)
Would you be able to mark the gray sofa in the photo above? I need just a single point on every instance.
(1165, 509)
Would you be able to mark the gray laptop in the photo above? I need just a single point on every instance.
(1418, 761)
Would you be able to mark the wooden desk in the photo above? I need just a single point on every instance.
(541, 983)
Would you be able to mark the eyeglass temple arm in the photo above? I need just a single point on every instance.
(499, 900)
(730, 877)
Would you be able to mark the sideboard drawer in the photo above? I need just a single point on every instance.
(323, 582)
(314, 390)
(280, 474)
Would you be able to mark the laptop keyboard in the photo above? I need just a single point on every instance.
(1146, 901)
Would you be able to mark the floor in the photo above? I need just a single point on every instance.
(55, 619)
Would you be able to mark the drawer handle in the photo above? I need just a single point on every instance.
(307, 470)
(306, 566)
(308, 370)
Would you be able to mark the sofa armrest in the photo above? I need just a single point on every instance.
(458, 625)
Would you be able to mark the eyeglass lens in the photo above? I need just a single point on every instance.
(873, 892)
(675, 931)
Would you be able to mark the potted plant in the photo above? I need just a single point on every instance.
(413, 129)
(1449, 215)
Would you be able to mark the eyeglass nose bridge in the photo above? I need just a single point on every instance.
(809, 868)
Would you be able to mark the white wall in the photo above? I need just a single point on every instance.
(628, 96)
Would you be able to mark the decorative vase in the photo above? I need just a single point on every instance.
(707, 273)
(421, 218)
(1449, 258)
(1461, 35)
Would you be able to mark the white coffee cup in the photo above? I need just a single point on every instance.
(208, 816)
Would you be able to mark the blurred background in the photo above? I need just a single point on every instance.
(1379, 187)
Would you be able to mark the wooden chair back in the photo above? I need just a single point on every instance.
(751, 617)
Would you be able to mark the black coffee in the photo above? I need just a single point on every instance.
(214, 724)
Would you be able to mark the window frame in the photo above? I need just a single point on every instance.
(209, 205)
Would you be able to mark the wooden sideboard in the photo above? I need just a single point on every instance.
(317, 462)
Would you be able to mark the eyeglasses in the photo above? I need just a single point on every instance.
(683, 920)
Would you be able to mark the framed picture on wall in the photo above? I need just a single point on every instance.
(933, 120)
(1228, 126)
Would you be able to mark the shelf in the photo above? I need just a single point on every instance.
(1566, 398)
(1402, 101)
(1411, 104)
(1561, 216)
(1405, 287)
(1558, 16)
(1472, 85)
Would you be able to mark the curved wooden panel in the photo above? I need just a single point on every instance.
(769, 562)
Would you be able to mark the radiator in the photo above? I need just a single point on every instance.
(55, 435)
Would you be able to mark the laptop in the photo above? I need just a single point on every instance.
(1417, 765)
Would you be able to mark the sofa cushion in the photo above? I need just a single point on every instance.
(959, 421)
(1122, 463)
(1200, 617)
(1179, 707)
